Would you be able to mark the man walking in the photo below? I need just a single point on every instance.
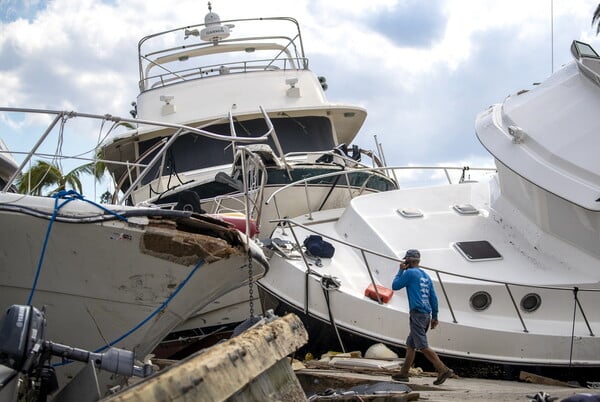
(423, 305)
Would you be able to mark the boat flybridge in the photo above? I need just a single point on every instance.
(225, 77)
(515, 259)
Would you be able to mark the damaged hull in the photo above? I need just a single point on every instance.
(125, 280)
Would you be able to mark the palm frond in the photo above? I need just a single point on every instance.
(41, 175)
(596, 19)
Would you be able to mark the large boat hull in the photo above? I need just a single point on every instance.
(123, 284)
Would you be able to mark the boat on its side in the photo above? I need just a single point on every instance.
(514, 259)
(113, 275)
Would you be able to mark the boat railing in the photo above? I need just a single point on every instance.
(159, 153)
(143, 169)
(236, 67)
(364, 252)
(348, 161)
(370, 172)
(269, 34)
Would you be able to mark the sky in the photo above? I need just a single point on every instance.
(422, 69)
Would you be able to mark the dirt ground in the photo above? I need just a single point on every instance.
(472, 389)
(454, 389)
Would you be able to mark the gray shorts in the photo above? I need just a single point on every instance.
(419, 324)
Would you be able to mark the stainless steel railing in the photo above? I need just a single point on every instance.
(64, 116)
(388, 171)
(290, 224)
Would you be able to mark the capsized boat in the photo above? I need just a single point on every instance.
(250, 79)
(112, 275)
(514, 258)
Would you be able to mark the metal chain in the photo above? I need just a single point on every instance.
(250, 284)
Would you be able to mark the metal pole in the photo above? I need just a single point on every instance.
(516, 307)
(30, 154)
(446, 297)
(308, 271)
(152, 162)
(582, 312)
(371, 276)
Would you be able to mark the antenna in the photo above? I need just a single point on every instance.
(552, 36)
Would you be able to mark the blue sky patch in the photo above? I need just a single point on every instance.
(12, 10)
(412, 23)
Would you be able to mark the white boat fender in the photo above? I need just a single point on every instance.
(380, 351)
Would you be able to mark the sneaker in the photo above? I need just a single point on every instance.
(400, 377)
(443, 377)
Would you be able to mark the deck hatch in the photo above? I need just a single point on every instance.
(479, 250)
(465, 209)
(410, 212)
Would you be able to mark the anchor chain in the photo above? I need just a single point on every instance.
(250, 284)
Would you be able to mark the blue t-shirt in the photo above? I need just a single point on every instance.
(420, 290)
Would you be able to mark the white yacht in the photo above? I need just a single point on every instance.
(515, 259)
(247, 78)
(8, 165)
(110, 275)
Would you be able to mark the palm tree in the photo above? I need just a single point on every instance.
(45, 174)
(596, 19)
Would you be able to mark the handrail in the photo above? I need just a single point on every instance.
(234, 67)
(118, 119)
(296, 42)
(64, 115)
(290, 223)
(380, 170)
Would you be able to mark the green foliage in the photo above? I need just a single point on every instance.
(596, 19)
(43, 175)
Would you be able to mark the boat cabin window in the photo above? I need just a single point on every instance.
(192, 152)
(581, 49)
(479, 250)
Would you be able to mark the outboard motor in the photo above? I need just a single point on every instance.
(24, 351)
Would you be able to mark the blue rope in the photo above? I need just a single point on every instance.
(145, 320)
(69, 196)
(155, 312)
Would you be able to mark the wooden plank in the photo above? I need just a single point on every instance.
(249, 367)
(538, 379)
(412, 396)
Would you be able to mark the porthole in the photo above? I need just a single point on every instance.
(480, 301)
(531, 302)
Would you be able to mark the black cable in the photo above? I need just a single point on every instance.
(327, 284)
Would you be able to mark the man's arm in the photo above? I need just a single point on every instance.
(401, 279)
(433, 302)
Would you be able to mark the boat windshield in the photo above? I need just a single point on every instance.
(581, 49)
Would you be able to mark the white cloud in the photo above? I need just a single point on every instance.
(422, 100)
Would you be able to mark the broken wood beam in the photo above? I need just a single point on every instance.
(538, 379)
(250, 367)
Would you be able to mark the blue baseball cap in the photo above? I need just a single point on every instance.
(412, 254)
